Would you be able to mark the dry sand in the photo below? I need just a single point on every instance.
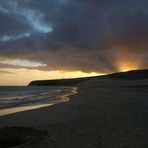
(105, 113)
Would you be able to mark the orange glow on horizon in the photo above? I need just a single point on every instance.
(21, 77)
(77, 74)
(124, 61)
(126, 65)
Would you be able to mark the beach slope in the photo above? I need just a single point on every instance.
(105, 113)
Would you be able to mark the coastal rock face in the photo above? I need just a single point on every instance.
(130, 75)
(60, 82)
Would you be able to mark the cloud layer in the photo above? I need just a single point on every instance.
(85, 35)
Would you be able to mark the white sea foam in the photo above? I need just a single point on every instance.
(15, 99)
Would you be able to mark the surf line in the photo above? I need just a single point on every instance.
(66, 97)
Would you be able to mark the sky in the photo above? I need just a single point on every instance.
(52, 39)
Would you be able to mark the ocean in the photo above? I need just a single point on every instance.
(16, 99)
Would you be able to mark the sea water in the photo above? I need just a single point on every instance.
(15, 99)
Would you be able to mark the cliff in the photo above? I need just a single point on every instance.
(130, 75)
(59, 82)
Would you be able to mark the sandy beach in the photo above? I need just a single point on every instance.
(105, 113)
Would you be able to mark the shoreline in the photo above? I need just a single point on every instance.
(62, 99)
(104, 113)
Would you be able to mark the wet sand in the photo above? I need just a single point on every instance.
(61, 99)
(105, 113)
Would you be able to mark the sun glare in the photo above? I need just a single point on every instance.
(127, 66)
(126, 62)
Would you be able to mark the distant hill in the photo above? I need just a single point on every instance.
(60, 82)
(129, 75)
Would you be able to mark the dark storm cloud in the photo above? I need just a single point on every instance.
(73, 34)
